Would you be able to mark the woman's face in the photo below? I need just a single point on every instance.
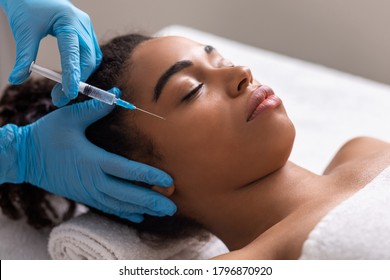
(210, 139)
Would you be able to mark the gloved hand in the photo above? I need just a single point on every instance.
(31, 20)
(54, 154)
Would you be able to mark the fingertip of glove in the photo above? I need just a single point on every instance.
(164, 207)
(157, 177)
(98, 105)
(170, 209)
(71, 89)
(116, 91)
(94, 110)
(58, 96)
(166, 181)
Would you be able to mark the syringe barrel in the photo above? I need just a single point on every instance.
(97, 93)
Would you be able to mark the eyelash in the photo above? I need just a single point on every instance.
(192, 93)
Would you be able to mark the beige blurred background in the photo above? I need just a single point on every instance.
(349, 35)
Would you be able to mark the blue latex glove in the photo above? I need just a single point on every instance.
(54, 154)
(32, 20)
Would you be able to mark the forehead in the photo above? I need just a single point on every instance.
(165, 50)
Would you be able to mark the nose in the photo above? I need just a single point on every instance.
(238, 79)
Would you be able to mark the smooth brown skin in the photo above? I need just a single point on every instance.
(231, 175)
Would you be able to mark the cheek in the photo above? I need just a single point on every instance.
(195, 147)
(196, 141)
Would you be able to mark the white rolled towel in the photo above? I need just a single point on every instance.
(90, 236)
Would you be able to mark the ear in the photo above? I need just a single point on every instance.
(166, 191)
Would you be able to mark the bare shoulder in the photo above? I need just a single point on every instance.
(270, 245)
(355, 149)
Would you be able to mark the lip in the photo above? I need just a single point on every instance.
(262, 99)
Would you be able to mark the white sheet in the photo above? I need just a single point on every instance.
(357, 229)
(328, 107)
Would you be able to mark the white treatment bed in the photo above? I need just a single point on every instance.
(328, 107)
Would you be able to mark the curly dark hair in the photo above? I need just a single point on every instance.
(26, 103)
(21, 105)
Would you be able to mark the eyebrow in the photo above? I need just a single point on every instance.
(175, 68)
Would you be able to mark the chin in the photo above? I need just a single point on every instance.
(289, 140)
(282, 149)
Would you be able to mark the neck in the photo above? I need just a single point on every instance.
(240, 216)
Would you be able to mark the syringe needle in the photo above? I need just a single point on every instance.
(149, 113)
(130, 106)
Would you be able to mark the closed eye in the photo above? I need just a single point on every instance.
(192, 93)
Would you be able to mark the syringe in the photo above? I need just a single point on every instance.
(88, 90)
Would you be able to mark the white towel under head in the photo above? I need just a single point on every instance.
(90, 236)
